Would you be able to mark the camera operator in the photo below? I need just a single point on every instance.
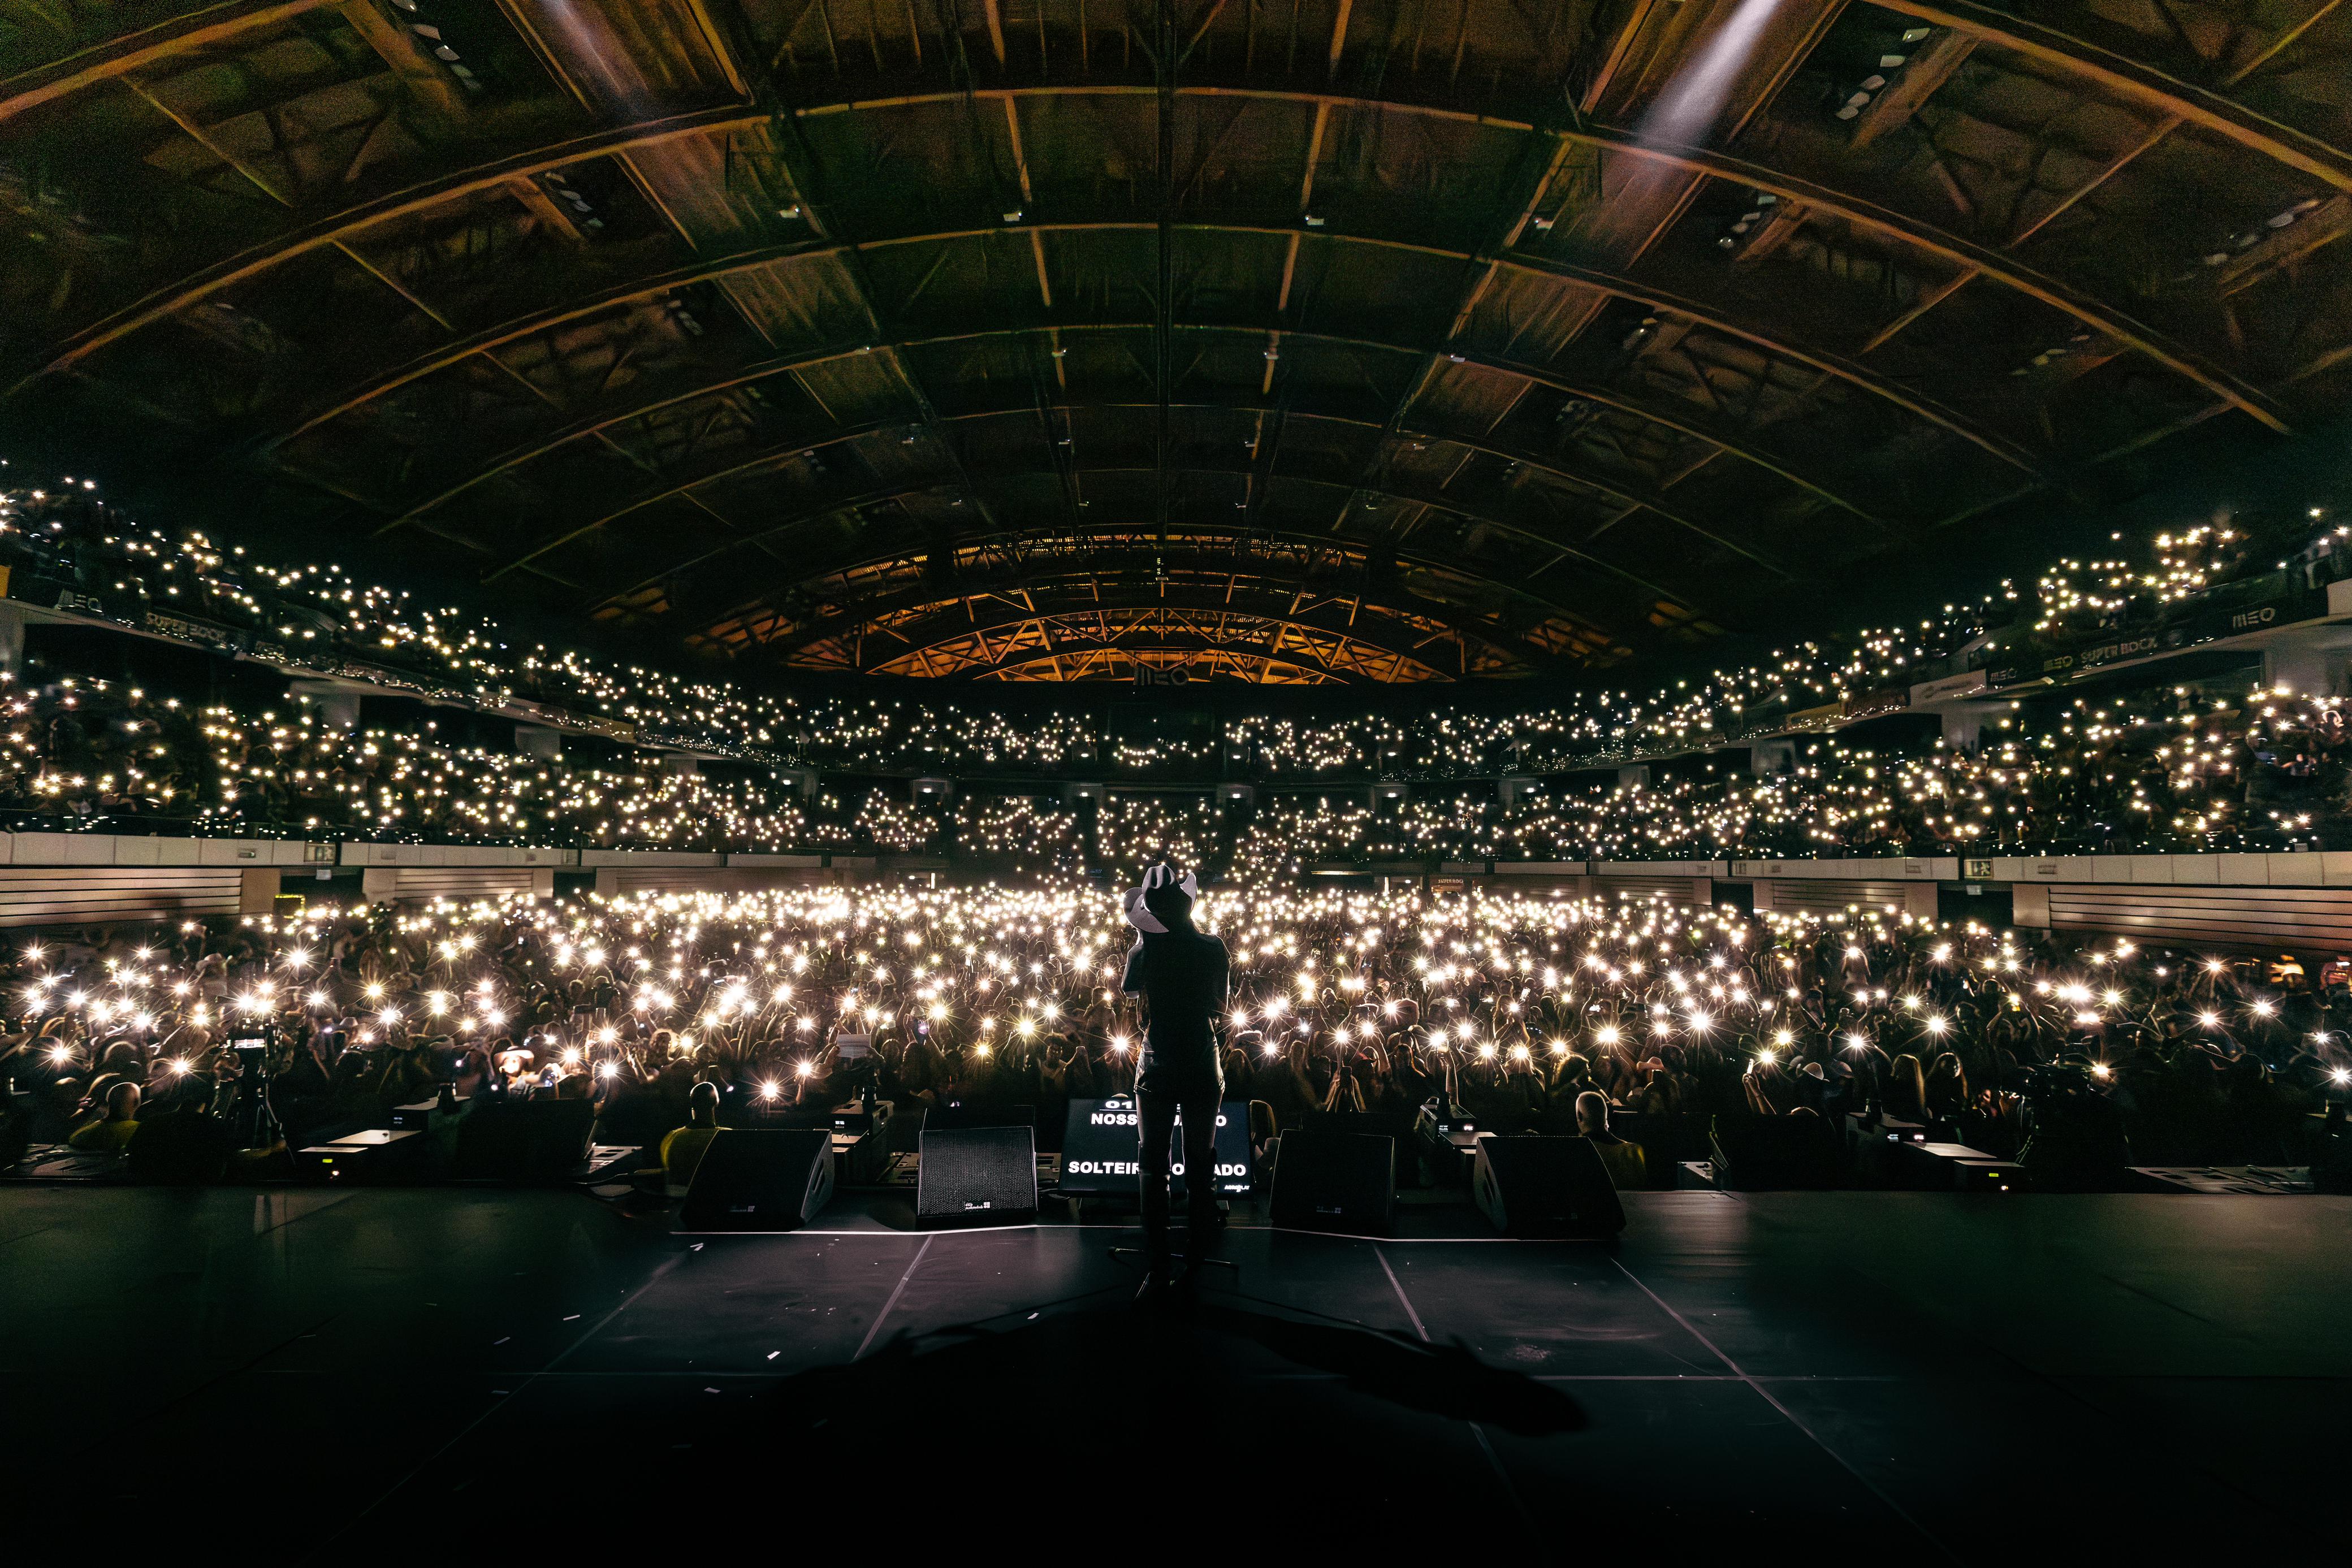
(682, 1148)
(186, 1143)
(113, 1131)
(2073, 1132)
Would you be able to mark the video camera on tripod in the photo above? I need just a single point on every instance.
(860, 1070)
(2070, 1125)
(250, 1119)
(1444, 1138)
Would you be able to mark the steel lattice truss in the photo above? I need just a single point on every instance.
(1346, 339)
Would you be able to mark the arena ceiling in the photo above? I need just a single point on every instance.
(1292, 340)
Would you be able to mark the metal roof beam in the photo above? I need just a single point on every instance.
(2118, 75)
(737, 464)
(192, 31)
(1509, 528)
(1367, 634)
(1311, 654)
(1988, 262)
(1993, 264)
(1852, 372)
(335, 228)
(1864, 213)
(1205, 530)
(1074, 579)
(1251, 666)
(1692, 423)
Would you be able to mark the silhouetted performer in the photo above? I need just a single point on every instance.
(1182, 975)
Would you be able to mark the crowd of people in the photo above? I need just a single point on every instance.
(64, 546)
(2167, 769)
(1025, 834)
(682, 1011)
(2170, 769)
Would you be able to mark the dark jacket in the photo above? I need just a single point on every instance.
(1182, 978)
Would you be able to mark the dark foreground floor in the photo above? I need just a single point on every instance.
(422, 1376)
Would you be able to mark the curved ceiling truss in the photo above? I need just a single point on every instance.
(864, 613)
(1205, 640)
(786, 331)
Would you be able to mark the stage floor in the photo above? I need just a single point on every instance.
(381, 1374)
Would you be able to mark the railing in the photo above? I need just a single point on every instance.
(2332, 833)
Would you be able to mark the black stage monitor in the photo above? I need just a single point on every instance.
(1538, 1186)
(525, 1140)
(1335, 1181)
(976, 1176)
(759, 1179)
